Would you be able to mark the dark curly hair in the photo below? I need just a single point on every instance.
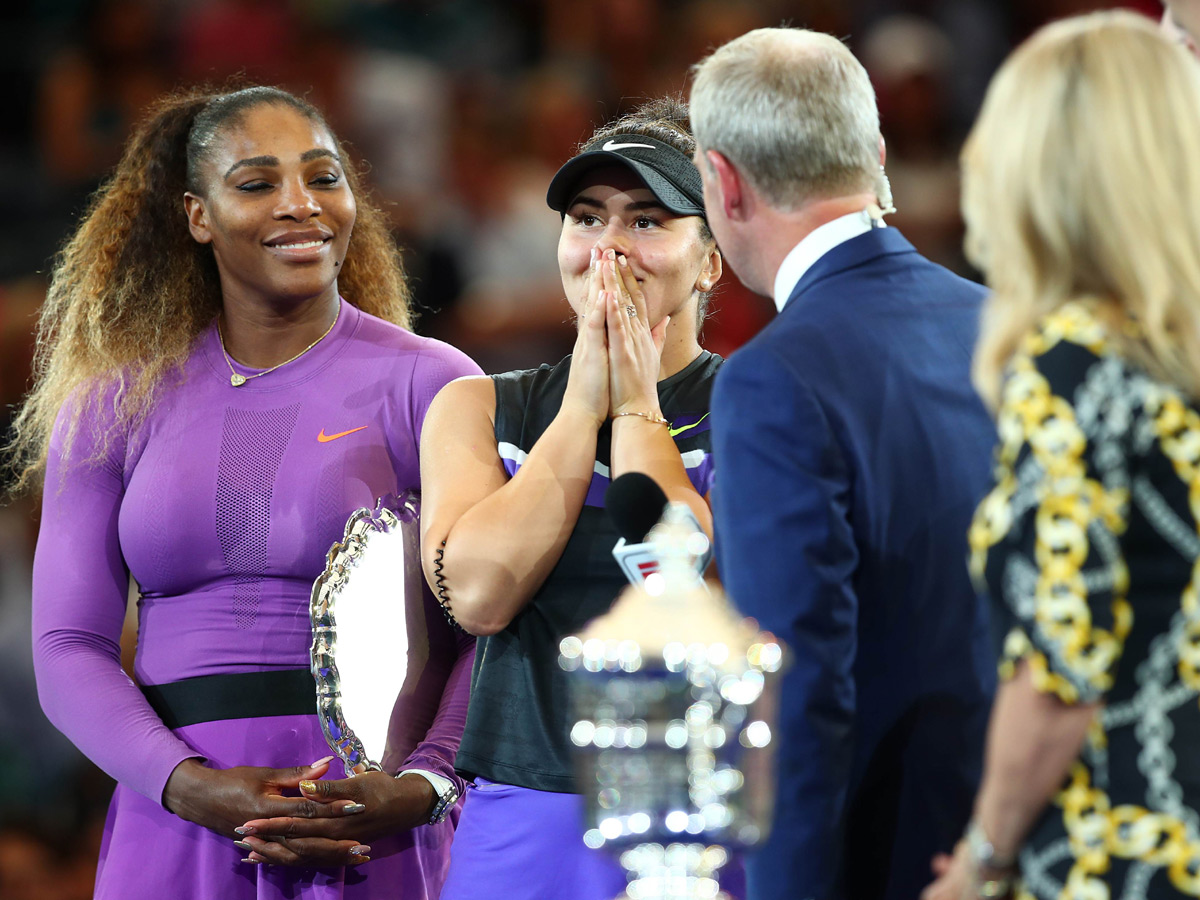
(131, 290)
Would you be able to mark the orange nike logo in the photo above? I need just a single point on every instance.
(326, 438)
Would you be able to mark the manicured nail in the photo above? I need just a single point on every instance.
(360, 850)
(320, 762)
(622, 260)
(351, 808)
(244, 829)
(242, 845)
(611, 254)
(253, 862)
(308, 786)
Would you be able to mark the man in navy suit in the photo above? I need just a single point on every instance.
(850, 451)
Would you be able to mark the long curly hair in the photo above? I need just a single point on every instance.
(131, 290)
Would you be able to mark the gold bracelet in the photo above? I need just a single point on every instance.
(650, 417)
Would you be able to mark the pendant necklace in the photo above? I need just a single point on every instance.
(237, 379)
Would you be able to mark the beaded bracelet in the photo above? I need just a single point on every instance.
(650, 417)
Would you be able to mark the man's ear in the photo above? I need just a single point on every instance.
(197, 216)
(882, 151)
(733, 191)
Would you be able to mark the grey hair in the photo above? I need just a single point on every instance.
(794, 111)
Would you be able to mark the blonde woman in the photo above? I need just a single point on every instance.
(1079, 179)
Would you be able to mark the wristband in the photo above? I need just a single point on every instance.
(983, 851)
(983, 855)
(447, 793)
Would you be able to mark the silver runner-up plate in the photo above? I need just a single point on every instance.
(362, 609)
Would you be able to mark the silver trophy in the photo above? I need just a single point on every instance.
(369, 634)
(674, 703)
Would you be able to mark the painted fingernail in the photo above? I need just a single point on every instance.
(320, 762)
(253, 862)
(351, 808)
(242, 845)
(622, 260)
(308, 786)
(611, 254)
(360, 850)
(244, 829)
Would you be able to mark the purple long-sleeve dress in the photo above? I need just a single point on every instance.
(222, 507)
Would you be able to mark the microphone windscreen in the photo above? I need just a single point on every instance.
(635, 503)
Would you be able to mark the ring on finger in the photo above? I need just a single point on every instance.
(631, 311)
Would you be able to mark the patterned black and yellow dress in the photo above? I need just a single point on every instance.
(1090, 545)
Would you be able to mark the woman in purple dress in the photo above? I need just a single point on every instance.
(208, 409)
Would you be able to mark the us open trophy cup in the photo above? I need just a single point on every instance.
(673, 703)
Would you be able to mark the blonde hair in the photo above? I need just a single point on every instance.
(794, 110)
(1079, 183)
(131, 290)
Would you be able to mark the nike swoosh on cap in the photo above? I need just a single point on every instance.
(326, 438)
(613, 145)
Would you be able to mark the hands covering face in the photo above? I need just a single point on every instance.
(617, 353)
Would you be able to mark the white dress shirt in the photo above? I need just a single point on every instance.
(816, 244)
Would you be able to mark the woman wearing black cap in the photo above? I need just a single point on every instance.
(516, 541)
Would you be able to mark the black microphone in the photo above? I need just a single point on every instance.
(635, 503)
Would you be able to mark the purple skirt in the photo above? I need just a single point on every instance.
(522, 844)
(149, 853)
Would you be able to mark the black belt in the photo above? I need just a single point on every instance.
(241, 695)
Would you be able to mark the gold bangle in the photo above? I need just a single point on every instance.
(650, 417)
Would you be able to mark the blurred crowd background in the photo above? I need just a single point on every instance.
(461, 110)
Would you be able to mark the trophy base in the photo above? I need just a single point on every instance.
(674, 872)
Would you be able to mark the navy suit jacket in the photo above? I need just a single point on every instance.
(850, 452)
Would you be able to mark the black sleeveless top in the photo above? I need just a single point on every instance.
(517, 723)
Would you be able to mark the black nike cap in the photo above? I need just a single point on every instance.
(669, 174)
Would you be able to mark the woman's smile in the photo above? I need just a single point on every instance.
(277, 209)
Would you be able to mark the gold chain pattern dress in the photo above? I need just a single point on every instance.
(1090, 545)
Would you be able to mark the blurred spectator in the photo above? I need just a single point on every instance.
(909, 59)
(96, 86)
(258, 39)
(396, 106)
(511, 312)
